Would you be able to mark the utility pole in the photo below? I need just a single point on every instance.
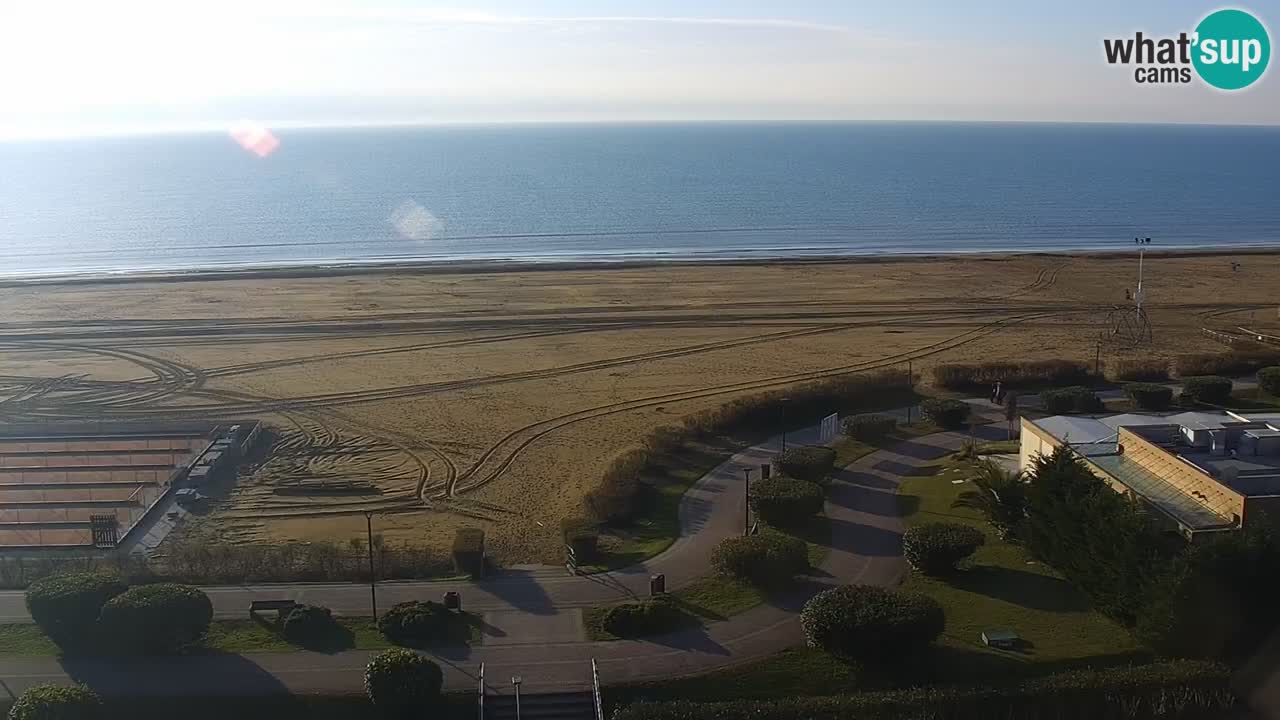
(373, 579)
(746, 502)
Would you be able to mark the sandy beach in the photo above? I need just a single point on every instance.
(495, 396)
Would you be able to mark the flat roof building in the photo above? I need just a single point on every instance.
(1202, 472)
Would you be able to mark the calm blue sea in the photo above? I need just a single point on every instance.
(621, 192)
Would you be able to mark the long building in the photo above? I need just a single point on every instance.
(1200, 472)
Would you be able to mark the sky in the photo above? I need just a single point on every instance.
(72, 67)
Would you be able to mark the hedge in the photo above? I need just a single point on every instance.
(784, 501)
(814, 464)
(936, 548)
(1071, 399)
(57, 702)
(613, 501)
(950, 414)
(646, 617)
(1018, 373)
(403, 684)
(1207, 389)
(1269, 380)
(583, 537)
(1178, 689)
(66, 607)
(1149, 396)
(868, 621)
(769, 558)
(868, 427)
(157, 618)
(1148, 369)
(1238, 362)
(468, 551)
(418, 624)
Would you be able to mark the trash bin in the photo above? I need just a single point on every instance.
(453, 601)
(657, 585)
(765, 469)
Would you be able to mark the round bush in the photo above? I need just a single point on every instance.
(806, 463)
(949, 414)
(1071, 399)
(767, 559)
(157, 618)
(309, 625)
(784, 501)
(1269, 380)
(403, 684)
(868, 427)
(1211, 389)
(867, 621)
(56, 702)
(647, 617)
(1149, 396)
(66, 607)
(418, 624)
(936, 548)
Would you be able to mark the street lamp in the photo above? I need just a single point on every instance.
(515, 682)
(783, 405)
(373, 579)
(746, 502)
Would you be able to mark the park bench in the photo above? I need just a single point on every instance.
(280, 607)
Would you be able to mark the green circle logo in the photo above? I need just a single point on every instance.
(1232, 49)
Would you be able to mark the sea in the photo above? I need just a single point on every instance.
(610, 193)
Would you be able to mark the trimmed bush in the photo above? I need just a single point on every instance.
(419, 624)
(936, 548)
(57, 702)
(784, 501)
(1177, 689)
(950, 414)
(157, 618)
(403, 684)
(806, 463)
(646, 617)
(1207, 389)
(66, 607)
(1147, 369)
(868, 427)
(1071, 399)
(867, 621)
(768, 559)
(1269, 380)
(1149, 396)
(1236, 362)
(310, 626)
(1018, 373)
(468, 552)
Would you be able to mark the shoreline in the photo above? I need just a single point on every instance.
(344, 268)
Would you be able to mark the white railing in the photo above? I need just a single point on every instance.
(595, 689)
(480, 696)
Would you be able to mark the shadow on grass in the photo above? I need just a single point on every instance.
(1020, 587)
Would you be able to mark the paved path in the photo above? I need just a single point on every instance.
(542, 605)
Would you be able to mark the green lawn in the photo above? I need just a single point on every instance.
(1004, 588)
(242, 636)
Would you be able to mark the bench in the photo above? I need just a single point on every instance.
(280, 607)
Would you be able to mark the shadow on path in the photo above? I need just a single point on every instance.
(210, 675)
(521, 590)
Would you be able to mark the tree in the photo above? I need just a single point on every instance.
(1000, 495)
(868, 621)
(66, 607)
(403, 684)
(157, 618)
(57, 702)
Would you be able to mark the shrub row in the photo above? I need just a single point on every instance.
(1180, 689)
(1149, 396)
(1076, 399)
(1234, 363)
(58, 702)
(93, 610)
(767, 559)
(1269, 380)
(868, 621)
(646, 617)
(950, 414)
(868, 427)
(1147, 369)
(1207, 389)
(814, 464)
(1021, 373)
(786, 502)
(936, 548)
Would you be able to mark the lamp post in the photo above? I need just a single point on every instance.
(515, 682)
(373, 579)
(784, 423)
(746, 501)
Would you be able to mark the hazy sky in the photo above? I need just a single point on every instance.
(129, 64)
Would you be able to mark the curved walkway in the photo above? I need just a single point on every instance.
(533, 617)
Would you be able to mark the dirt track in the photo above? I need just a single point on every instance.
(502, 402)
